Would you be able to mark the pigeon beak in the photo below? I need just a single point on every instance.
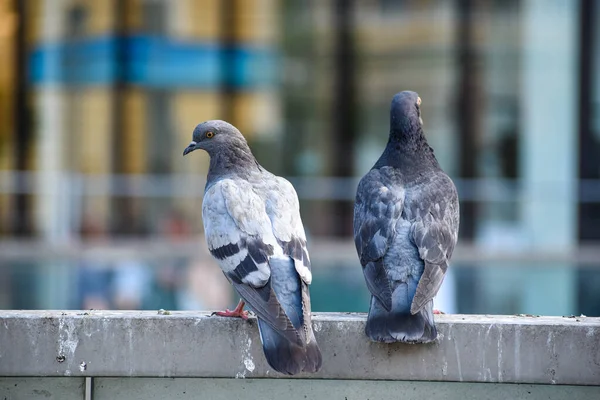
(190, 148)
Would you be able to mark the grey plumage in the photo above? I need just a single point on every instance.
(254, 231)
(406, 218)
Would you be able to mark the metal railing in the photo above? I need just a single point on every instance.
(308, 188)
(74, 187)
(329, 252)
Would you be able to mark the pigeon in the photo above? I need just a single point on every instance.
(253, 229)
(406, 218)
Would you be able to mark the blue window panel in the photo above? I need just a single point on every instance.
(255, 67)
(150, 61)
(90, 61)
(159, 62)
(80, 61)
(45, 64)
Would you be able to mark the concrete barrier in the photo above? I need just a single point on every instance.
(493, 353)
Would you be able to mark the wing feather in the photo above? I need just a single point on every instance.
(435, 213)
(377, 208)
(238, 237)
(283, 209)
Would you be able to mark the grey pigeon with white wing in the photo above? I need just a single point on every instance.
(406, 218)
(253, 229)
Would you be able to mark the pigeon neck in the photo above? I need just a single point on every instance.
(232, 161)
(408, 150)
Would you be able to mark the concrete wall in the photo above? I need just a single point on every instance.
(53, 354)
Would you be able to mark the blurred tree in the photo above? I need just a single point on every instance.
(344, 110)
(22, 139)
(228, 39)
(589, 141)
(589, 153)
(467, 101)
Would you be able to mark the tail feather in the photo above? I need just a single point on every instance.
(292, 294)
(314, 360)
(398, 324)
(285, 356)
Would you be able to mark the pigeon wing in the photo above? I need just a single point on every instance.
(435, 215)
(283, 209)
(239, 235)
(377, 208)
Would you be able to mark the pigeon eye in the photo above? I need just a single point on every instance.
(210, 134)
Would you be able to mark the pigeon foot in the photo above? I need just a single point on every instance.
(438, 312)
(238, 312)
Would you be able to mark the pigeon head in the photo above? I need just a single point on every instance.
(407, 146)
(215, 136)
(405, 114)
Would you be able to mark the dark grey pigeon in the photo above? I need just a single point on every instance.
(254, 231)
(405, 228)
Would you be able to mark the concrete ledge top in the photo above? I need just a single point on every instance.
(473, 348)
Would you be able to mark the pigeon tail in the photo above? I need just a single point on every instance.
(398, 324)
(286, 357)
(292, 294)
(314, 360)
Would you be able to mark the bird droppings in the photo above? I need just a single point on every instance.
(590, 332)
(499, 353)
(82, 366)
(458, 364)
(449, 336)
(67, 342)
(552, 373)
(317, 326)
(247, 360)
(577, 318)
(249, 364)
(164, 312)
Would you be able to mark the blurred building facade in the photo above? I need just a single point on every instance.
(100, 97)
(115, 87)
